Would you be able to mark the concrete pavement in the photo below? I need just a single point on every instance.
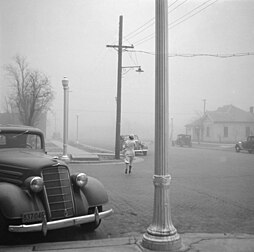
(192, 242)
(76, 154)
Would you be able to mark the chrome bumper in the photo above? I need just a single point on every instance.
(141, 150)
(51, 225)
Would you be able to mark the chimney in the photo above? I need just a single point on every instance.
(251, 109)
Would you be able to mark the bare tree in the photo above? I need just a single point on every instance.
(31, 93)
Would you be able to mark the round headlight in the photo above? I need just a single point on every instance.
(81, 179)
(36, 184)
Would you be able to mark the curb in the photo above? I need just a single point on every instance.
(191, 242)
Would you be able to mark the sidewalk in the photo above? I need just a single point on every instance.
(75, 153)
(78, 155)
(214, 146)
(191, 243)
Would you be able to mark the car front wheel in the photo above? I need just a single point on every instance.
(91, 226)
(237, 148)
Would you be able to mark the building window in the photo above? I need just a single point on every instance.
(225, 131)
(247, 131)
(207, 131)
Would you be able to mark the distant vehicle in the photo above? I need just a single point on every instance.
(182, 140)
(247, 145)
(37, 191)
(140, 147)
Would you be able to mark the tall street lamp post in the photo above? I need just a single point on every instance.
(161, 235)
(65, 83)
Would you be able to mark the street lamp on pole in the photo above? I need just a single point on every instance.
(139, 70)
(65, 83)
(118, 109)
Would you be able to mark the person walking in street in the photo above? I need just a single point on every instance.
(129, 153)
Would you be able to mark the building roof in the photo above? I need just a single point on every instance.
(227, 113)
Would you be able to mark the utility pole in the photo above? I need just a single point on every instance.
(119, 86)
(204, 100)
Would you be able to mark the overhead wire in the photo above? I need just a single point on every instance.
(217, 55)
(150, 22)
(173, 24)
(186, 14)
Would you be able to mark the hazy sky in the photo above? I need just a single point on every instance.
(69, 38)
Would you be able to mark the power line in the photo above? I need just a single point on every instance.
(213, 55)
(191, 11)
(150, 22)
(133, 34)
(173, 24)
(173, 3)
(178, 6)
(217, 55)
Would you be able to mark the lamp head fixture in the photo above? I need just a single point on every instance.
(65, 82)
(139, 70)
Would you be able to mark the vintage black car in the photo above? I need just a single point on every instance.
(247, 145)
(37, 191)
(140, 147)
(182, 140)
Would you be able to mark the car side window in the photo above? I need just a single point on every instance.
(2, 141)
(34, 141)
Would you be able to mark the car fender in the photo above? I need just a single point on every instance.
(240, 145)
(95, 192)
(81, 203)
(14, 201)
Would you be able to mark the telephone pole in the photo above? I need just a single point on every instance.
(204, 100)
(119, 86)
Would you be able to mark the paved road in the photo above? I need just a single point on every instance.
(211, 192)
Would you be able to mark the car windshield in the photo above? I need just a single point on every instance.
(20, 140)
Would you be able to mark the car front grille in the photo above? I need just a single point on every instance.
(58, 192)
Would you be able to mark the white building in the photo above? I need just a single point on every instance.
(227, 124)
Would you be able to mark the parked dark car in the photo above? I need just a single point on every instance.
(37, 191)
(182, 140)
(247, 145)
(140, 147)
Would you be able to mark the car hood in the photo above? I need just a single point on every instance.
(25, 160)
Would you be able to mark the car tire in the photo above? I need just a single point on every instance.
(144, 153)
(250, 151)
(91, 226)
(237, 148)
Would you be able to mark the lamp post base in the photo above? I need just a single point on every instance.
(162, 243)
